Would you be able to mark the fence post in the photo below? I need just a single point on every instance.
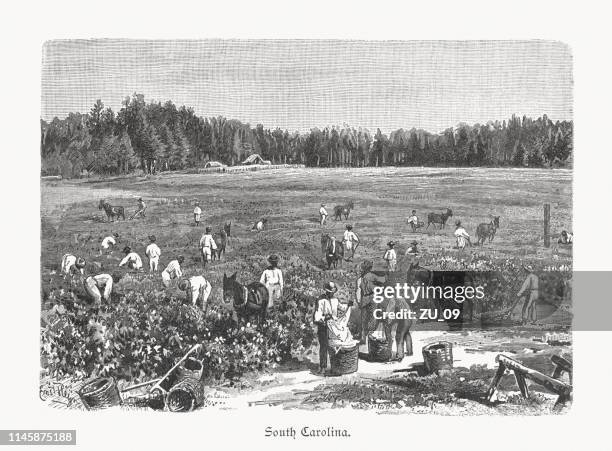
(546, 225)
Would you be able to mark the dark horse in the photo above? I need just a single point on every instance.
(484, 231)
(111, 212)
(221, 239)
(332, 257)
(439, 218)
(248, 300)
(345, 210)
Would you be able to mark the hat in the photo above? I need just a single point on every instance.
(197, 202)
(140, 198)
(273, 258)
(391, 243)
(322, 204)
(414, 243)
(152, 238)
(127, 249)
(349, 226)
(180, 259)
(414, 211)
(183, 284)
(366, 265)
(116, 235)
(528, 268)
(330, 287)
(457, 223)
(80, 263)
(209, 229)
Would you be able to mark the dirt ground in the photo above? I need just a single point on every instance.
(383, 200)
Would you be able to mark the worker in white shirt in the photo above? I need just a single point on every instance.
(132, 260)
(196, 287)
(153, 252)
(390, 257)
(207, 245)
(462, 236)
(197, 213)
(71, 263)
(327, 309)
(350, 240)
(104, 282)
(142, 208)
(259, 225)
(109, 242)
(172, 271)
(272, 278)
(413, 221)
(323, 213)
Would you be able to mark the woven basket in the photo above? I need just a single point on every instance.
(344, 360)
(185, 395)
(378, 349)
(438, 356)
(100, 393)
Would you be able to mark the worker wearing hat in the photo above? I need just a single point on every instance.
(327, 309)
(71, 263)
(142, 208)
(153, 252)
(197, 213)
(207, 246)
(531, 292)
(412, 249)
(132, 260)
(462, 236)
(172, 271)
(366, 282)
(413, 220)
(350, 240)
(272, 278)
(196, 287)
(390, 257)
(322, 213)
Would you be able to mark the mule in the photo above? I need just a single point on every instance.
(340, 210)
(439, 218)
(247, 300)
(111, 212)
(332, 258)
(484, 231)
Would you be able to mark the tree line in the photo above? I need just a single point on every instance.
(152, 136)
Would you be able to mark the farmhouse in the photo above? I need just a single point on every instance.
(255, 159)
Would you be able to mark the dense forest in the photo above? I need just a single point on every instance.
(154, 136)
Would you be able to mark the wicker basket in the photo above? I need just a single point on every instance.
(438, 356)
(344, 360)
(378, 349)
(186, 395)
(100, 393)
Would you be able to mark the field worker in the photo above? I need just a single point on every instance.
(197, 287)
(566, 238)
(332, 248)
(412, 249)
(272, 278)
(197, 213)
(109, 242)
(327, 309)
(413, 221)
(530, 290)
(153, 252)
(462, 236)
(142, 208)
(366, 282)
(172, 271)
(323, 213)
(207, 245)
(104, 282)
(131, 259)
(390, 257)
(259, 225)
(350, 240)
(71, 263)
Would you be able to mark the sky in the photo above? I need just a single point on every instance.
(298, 84)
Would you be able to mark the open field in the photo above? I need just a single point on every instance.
(290, 199)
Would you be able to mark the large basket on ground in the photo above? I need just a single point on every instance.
(438, 356)
(378, 349)
(344, 359)
(100, 393)
(186, 395)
